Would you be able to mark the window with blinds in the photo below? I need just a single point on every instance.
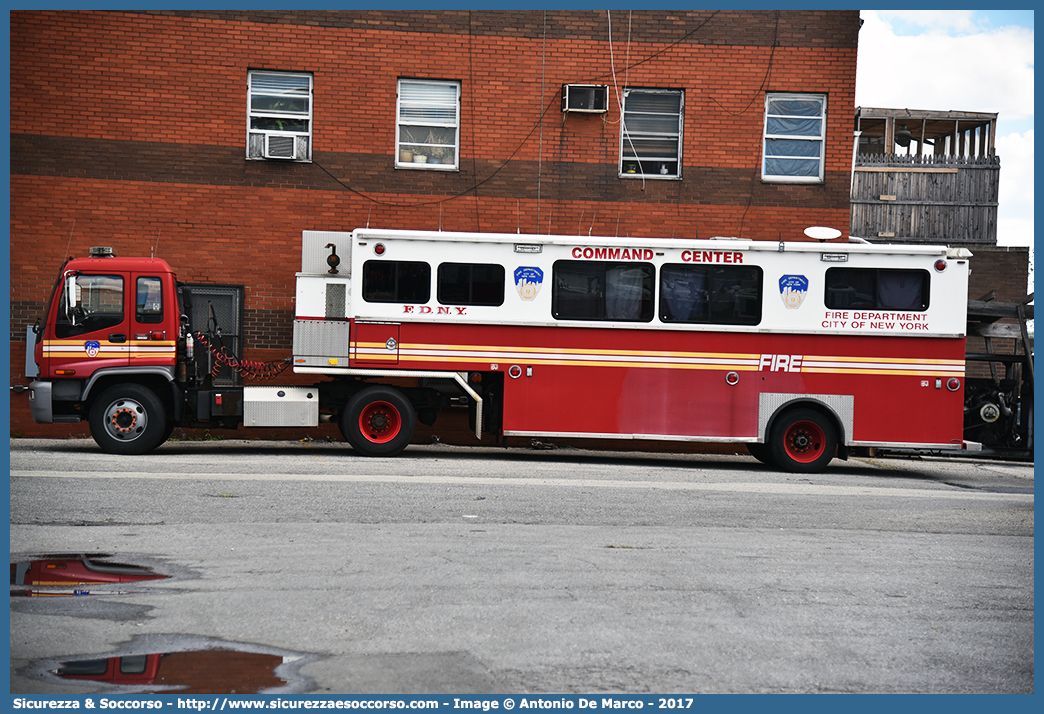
(427, 125)
(279, 116)
(651, 134)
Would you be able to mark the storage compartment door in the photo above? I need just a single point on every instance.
(376, 344)
(280, 406)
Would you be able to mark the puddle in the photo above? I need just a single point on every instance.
(72, 575)
(196, 672)
(183, 664)
(149, 663)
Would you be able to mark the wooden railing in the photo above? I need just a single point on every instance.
(925, 199)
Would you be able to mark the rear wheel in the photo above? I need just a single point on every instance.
(378, 421)
(803, 441)
(128, 419)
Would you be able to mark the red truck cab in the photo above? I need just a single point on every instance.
(110, 321)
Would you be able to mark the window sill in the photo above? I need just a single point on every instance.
(279, 161)
(649, 177)
(427, 167)
(793, 180)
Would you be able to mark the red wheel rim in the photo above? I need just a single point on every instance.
(124, 420)
(380, 422)
(804, 441)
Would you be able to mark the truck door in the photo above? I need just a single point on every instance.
(92, 328)
(155, 323)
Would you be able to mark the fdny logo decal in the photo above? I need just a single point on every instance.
(792, 288)
(528, 282)
(92, 348)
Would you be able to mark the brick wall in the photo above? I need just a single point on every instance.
(1005, 270)
(1001, 268)
(128, 129)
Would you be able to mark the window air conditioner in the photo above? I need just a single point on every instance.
(585, 98)
(280, 146)
(284, 147)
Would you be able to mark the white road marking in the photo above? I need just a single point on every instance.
(786, 489)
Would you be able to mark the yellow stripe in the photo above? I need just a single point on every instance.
(581, 351)
(908, 372)
(593, 363)
(78, 343)
(647, 353)
(574, 357)
(560, 350)
(887, 360)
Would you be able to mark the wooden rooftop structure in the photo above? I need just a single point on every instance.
(923, 176)
(916, 131)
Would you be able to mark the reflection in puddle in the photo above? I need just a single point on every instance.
(51, 576)
(181, 663)
(177, 664)
(218, 671)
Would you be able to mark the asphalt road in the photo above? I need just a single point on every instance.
(466, 570)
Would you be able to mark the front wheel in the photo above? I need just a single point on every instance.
(128, 419)
(379, 421)
(803, 441)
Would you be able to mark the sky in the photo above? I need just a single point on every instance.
(961, 60)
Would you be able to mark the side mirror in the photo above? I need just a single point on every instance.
(70, 298)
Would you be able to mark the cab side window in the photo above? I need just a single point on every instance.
(149, 301)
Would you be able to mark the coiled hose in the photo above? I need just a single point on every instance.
(248, 369)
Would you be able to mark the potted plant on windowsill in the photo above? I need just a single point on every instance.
(437, 153)
(407, 147)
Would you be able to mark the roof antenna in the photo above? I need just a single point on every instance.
(781, 249)
(69, 244)
(580, 225)
(156, 245)
(548, 222)
(592, 225)
(440, 217)
(617, 225)
(368, 216)
(518, 217)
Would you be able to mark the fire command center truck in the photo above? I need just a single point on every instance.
(802, 351)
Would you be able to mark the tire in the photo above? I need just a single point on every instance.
(803, 441)
(128, 419)
(761, 452)
(378, 421)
